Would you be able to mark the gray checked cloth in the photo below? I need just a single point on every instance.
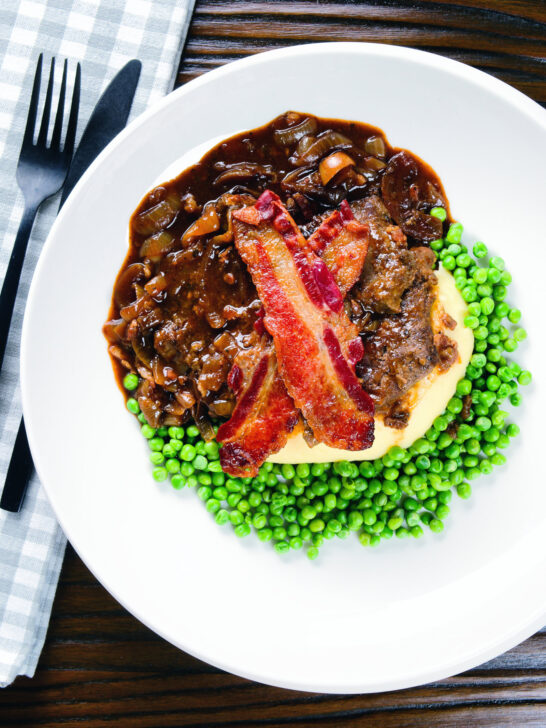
(103, 35)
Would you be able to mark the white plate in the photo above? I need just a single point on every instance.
(356, 619)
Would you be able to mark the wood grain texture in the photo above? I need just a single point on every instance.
(506, 38)
(100, 666)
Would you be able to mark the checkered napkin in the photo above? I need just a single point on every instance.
(103, 36)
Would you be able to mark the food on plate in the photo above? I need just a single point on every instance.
(300, 299)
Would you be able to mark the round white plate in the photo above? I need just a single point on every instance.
(356, 619)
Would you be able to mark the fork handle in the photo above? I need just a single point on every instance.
(13, 275)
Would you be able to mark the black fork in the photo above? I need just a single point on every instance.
(41, 172)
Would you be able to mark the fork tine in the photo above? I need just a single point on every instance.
(57, 129)
(42, 136)
(33, 108)
(73, 118)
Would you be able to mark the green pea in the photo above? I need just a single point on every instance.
(264, 534)
(317, 525)
(515, 399)
(464, 490)
(497, 263)
(454, 233)
(242, 529)
(133, 406)
(173, 466)
(200, 462)
(512, 430)
(147, 431)
(464, 387)
(130, 381)
(157, 458)
(438, 212)
(160, 474)
(178, 481)
(480, 250)
(436, 525)
(525, 378)
(449, 262)
(188, 453)
(487, 305)
(484, 290)
(471, 322)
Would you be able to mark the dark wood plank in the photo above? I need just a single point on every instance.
(100, 666)
(506, 39)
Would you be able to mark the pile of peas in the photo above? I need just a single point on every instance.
(400, 494)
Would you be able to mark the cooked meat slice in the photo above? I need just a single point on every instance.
(388, 271)
(409, 194)
(401, 351)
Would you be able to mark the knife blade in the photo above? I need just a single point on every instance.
(109, 117)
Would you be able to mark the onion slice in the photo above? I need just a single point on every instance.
(286, 137)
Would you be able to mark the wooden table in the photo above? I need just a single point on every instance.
(100, 666)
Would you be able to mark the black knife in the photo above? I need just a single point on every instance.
(109, 117)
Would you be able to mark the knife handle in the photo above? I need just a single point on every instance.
(19, 473)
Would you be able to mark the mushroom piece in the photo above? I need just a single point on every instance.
(332, 167)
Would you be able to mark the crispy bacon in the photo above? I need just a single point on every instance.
(314, 339)
(264, 416)
(342, 243)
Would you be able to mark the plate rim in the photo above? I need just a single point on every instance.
(522, 630)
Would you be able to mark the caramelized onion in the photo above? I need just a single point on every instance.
(157, 284)
(243, 171)
(163, 374)
(375, 145)
(373, 164)
(124, 289)
(325, 142)
(114, 330)
(203, 423)
(286, 137)
(207, 223)
(332, 165)
(301, 180)
(157, 217)
(185, 398)
(304, 144)
(144, 303)
(156, 246)
(143, 353)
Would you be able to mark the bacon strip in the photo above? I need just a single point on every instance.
(316, 344)
(342, 243)
(264, 416)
